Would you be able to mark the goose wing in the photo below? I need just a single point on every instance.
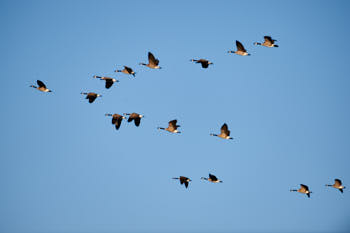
(109, 83)
(91, 97)
(212, 177)
(128, 69)
(337, 182)
(137, 121)
(224, 130)
(304, 188)
(152, 60)
(40, 83)
(240, 47)
(269, 39)
(172, 125)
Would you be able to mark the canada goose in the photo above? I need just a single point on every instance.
(172, 128)
(183, 180)
(240, 49)
(269, 42)
(41, 86)
(152, 62)
(303, 189)
(134, 116)
(91, 96)
(212, 179)
(204, 63)
(116, 119)
(109, 81)
(225, 133)
(126, 70)
(337, 184)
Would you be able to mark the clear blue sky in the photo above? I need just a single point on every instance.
(65, 169)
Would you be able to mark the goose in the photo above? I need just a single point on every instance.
(183, 180)
(116, 119)
(240, 49)
(337, 184)
(303, 189)
(91, 96)
(172, 128)
(126, 70)
(225, 133)
(269, 42)
(152, 62)
(205, 63)
(212, 179)
(134, 116)
(41, 86)
(109, 81)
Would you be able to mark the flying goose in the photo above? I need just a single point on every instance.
(109, 81)
(126, 70)
(225, 133)
(205, 63)
(152, 62)
(303, 189)
(41, 86)
(337, 184)
(91, 96)
(183, 180)
(269, 42)
(172, 128)
(212, 179)
(116, 119)
(134, 116)
(240, 49)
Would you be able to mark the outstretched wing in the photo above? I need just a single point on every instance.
(152, 60)
(128, 69)
(224, 130)
(91, 98)
(212, 177)
(172, 124)
(304, 187)
(137, 121)
(205, 64)
(118, 123)
(240, 47)
(109, 83)
(337, 182)
(269, 39)
(40, 83)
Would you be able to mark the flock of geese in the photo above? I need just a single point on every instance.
(153, 63)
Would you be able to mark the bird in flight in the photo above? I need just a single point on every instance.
(41, 86)
(172, 127)
(153, 63)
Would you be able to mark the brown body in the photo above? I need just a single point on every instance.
(109, 81)
(91, 96)
(183, 180)
(41, 86)
(172, 127)
(240, 49)
(212, 179)
(116, 119)
(225, 133)
(205, 63)
(134, 117)
(153, 63)
(127, 70)
(268, 42)
(303, 189)
(337, 185)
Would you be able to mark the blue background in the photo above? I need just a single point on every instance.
(64, 167)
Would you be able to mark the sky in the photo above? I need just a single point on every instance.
(65, 169)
